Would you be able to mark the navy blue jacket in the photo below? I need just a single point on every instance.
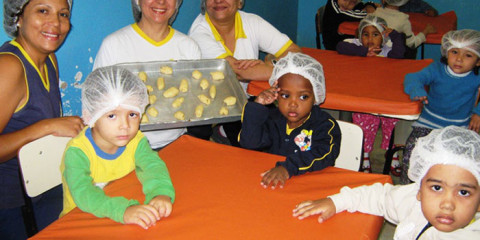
(313, 146)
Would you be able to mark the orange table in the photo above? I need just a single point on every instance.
(363, 84)
(219, 197)
(443, 23)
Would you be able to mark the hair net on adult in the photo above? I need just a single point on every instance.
(305, 66)
(396, 3)
(107, 88)
(452, 146)
(11, 12)
(467, 39)
(374, 21)
(137, 11)
(203, 5)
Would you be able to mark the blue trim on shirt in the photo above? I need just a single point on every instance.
(100, 152)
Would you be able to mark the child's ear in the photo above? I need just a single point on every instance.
(478, 62)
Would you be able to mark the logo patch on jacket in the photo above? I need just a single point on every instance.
(304, 140)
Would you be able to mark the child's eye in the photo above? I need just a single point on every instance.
(454, 51)
(43, 11)
(436, 188)
(464, 193)
(133, 114)
(304, 97)
(284, 95)
(469, 55)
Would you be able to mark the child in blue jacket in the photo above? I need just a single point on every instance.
(308, 137)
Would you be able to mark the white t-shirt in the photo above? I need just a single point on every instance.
(252, 33)
(131, 44)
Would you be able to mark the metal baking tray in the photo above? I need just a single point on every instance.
(182, 69)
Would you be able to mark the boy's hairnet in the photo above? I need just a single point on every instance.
(11, 12)
(467, 39)
(203, 5)
(137, 11)
(305, 66)
(396, 3)
(375, 21)
(451, 145)
(107, 88)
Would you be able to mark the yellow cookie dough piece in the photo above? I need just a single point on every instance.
(142, 76)
(231, 100)
(149, 88)
(160, 83)
(196, 74)
(183, 85)
(171, 92)
(199, 111)
(223, 111)
(166, 70)
(213, 91)
(152, 111)
(204, 84)
(152, 99)
(179, 115)
(144, 118)
(178, 102)
(217, 75)
(204, 99)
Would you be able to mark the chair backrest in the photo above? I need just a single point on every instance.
(318, 25)
(351, 146)
(40, 163)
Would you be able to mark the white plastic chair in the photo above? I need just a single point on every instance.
(351, 146)
(40, 164)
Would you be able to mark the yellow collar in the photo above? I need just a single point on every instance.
(289, 130)
(148, 39)
(239, 32)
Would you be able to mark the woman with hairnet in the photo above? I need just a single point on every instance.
(31, 103)
(442, 203)
(223, 31)
(150, 38)
(452, 89)
(298, 129)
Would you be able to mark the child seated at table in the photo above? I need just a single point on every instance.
(298, 129)
(419, 6)
(442, 203)
(375, 39)
(400, 22)
(338, 11)
(453, 89)
(109, 148)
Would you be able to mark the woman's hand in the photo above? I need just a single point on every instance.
(247, 63)
(144, 216)
(275, 176)
(64, 126)
(163, 205)
(325, 207)
(268, 96)
(474, 123)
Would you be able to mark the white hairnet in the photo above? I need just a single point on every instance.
(203, 5)
(396, 3)
(137, 12)
(11, 12)
(375, 21)
(451, 145)
(467, 39)
(305, 66)
(107, 88)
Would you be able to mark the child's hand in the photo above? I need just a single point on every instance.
(429, 29)
(422, 98)
(268, 96)
(275, 176)
(387, 31)
(143, 215)
(163, 205)
(244, 64)
(373, 51)
(325, 207)
(474, 123)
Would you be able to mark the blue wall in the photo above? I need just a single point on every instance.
(92, 20)
(467, 13)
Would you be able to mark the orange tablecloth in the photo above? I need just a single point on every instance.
(219, 197)
(443, 23)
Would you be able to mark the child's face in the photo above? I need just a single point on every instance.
(450, 197)
(115, 129)
(295, 98)
(461, 60)
(371, 37)
(346, 5)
